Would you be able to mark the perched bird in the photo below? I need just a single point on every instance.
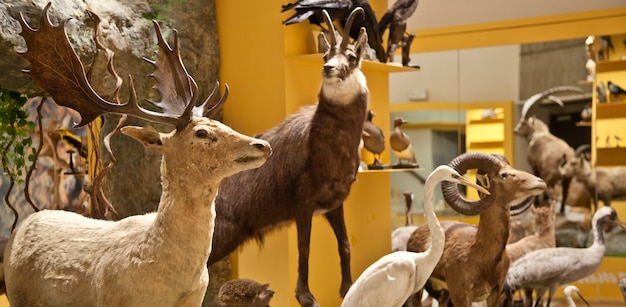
(546, 269)
(617, 140)
(571, 290)
(393, 278)
(601, 91)
(615, 89)
(339, 10)
(401, 145)
(395, 19)
(373, 139)
(244, 293)
(586, 113)
(606, 45)
(70, 139)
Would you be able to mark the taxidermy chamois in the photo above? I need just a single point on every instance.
(312, 170)
(60, 258)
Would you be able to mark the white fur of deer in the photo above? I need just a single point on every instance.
(543, 236)
(546, 269)
(396, 276)
(605, 183)
(59, 258)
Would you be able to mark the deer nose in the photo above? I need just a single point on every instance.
(327, 69)
(263, 147)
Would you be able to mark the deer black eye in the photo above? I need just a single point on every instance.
(202, 134)
(352, 59)
(504, 175)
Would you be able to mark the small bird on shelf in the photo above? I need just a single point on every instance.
(615, 90)
(401, 146)
(70, 139)
(601, 91)
(373, 140)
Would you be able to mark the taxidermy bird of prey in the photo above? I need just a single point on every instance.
(395, 19)
(339, 10)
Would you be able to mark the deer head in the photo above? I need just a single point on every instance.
(58, 70)
(342, 62)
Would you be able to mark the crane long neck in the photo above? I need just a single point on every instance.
(598, 234)
(436, 232)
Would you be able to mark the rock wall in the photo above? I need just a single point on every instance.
(126, 28)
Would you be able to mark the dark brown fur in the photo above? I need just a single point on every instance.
(314, 164)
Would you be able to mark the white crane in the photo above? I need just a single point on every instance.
(571, 290)
(546, 269)
(394, 277)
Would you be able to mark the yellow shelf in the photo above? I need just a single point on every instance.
(611, 110)
(606, 66)
(611, 156)
(366, 65)
(486, 121)
(390, 170)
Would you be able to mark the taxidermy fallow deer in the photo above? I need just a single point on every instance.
(59, 258)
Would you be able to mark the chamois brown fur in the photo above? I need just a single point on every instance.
(315, 161)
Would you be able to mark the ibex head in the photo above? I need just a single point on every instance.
(577, 164)
(522, 126)
(508, 186)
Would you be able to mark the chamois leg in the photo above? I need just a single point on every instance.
(338, 223)
(303, 226)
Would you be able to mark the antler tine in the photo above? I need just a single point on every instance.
(348, 27)
(331, 34)
(56, 68)
(210, 106)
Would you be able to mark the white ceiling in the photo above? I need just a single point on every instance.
(445, 13)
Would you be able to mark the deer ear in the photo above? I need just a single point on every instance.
(361, 43)
(148, 136)
(322, 43)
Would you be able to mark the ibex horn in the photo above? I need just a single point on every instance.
(530, 102)
(331, 30)
(582, 149)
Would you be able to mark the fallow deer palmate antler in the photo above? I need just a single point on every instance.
(58, 70)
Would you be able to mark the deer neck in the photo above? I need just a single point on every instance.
(185, 210)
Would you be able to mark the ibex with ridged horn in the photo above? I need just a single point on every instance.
(58, 258)
(315, 162)
(545, 150)
(474, 262)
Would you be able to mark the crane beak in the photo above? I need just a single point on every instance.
(582, 298)
(466, 182)
(620, 224)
